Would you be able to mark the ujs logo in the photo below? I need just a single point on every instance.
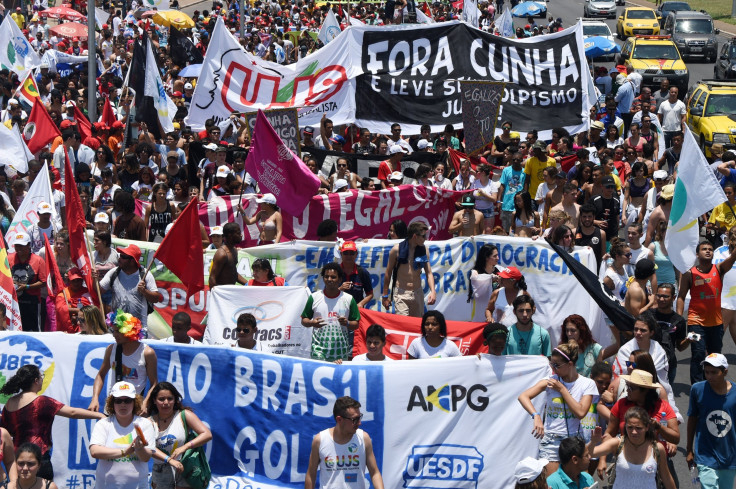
(18, 350)
(443, 467)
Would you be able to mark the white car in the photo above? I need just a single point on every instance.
(597, 28)
(599, 8)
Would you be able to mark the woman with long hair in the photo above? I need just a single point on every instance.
(28, 462)
(500, 308)
(263, 274)
(122, 464)
(268, 219)
(180, 193)
(433, 343)
(91, 321)
(159, 213)
(574, 327)
(564, 236)
(173, 421)
(613, 138)
(639, 458)
(666, 272)
(635, 190)
(616, 274)
(569, 397)
(143, 187)
(525, 222)
(483, 277)
(28, 416)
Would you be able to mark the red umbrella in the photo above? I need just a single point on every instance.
(70, 30)
(64, 13)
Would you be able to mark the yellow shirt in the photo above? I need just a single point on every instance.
(535, 169)
(19, 19)
(722, 216)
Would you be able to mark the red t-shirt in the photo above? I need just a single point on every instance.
(32, 423)
(30, 272)
(622, 405)
(385, 171)
(63, 321)
(279, 281)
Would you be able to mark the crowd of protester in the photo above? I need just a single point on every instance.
(609, 188)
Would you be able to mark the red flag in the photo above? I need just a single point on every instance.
(40, 129)
(456, 156)
(83, 125)
(8, 296)
(426, 10)
(54, 282)
(567, 162)
(181, 250)
(77, 226)
(108, 115)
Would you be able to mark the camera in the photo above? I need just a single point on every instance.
(693, 336)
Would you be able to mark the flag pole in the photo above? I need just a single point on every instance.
(97, 282)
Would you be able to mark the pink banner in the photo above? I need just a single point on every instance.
(278, 170)
(358, 214)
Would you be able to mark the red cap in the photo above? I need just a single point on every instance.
(348, 246)
(117, 125)
(74, 273)
(65, 124)
(511, 272)
(176, 94)
(75, 39)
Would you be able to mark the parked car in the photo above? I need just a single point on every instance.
(694, 34)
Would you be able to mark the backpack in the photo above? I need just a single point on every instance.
(141, 273)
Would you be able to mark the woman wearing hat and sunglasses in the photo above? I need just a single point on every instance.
(123, 442)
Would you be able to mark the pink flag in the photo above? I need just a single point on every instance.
(278, 170)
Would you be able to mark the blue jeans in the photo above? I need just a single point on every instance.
(711, 341)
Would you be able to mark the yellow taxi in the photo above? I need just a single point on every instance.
(711, 114)
(637, 21)
(655, 58)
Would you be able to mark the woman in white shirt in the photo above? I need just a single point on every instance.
(433, 342)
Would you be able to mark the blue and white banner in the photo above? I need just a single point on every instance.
(263, 410)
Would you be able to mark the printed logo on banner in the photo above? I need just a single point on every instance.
(448, 397)
(263, 312)
(443, 467)
(20, 350)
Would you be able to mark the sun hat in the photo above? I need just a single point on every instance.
(641, 378)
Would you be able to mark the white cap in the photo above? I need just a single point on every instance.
(21, 239)
(529, 469)
(102, 217)
(44, 65)
(660, 175)
(397, 175)
(222, 171)
(44, 208)
(341, 183)
(211, 146)
(188, 86)
(716, 360)
(12, 101)
(267, 199)
(123, 389)
(216, 231)
(69, 104)
(422, 144)
(397, 148)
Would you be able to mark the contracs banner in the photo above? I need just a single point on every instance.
(409, 74)
(263, 410)
(413, 77)
(278, 310)
(555, 290)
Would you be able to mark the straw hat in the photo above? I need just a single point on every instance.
(641, 378)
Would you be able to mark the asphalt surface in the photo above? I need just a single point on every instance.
(570, 10)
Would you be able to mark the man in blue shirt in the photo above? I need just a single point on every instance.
(711, 439)
(525, 337)
(574, 460)
(511, 183)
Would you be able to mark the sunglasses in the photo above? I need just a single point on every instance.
(124, 257)
(242, 330)
(123, 400)
(354, 420)
(628, 255)
(348, 253)
(555, 365)
(631, 364)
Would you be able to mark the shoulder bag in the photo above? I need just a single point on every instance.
(196, 468)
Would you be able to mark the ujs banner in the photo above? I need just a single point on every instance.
(263, 410)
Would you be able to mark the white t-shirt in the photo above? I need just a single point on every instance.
(491, 188)
(672, 115)
(127, 472)
(192, 341)
(107, 197)
(364, 358)
(559, 418)
(419, 348)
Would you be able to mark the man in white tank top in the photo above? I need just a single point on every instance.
(344, 452)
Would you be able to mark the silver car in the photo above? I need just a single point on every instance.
(600, 8)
